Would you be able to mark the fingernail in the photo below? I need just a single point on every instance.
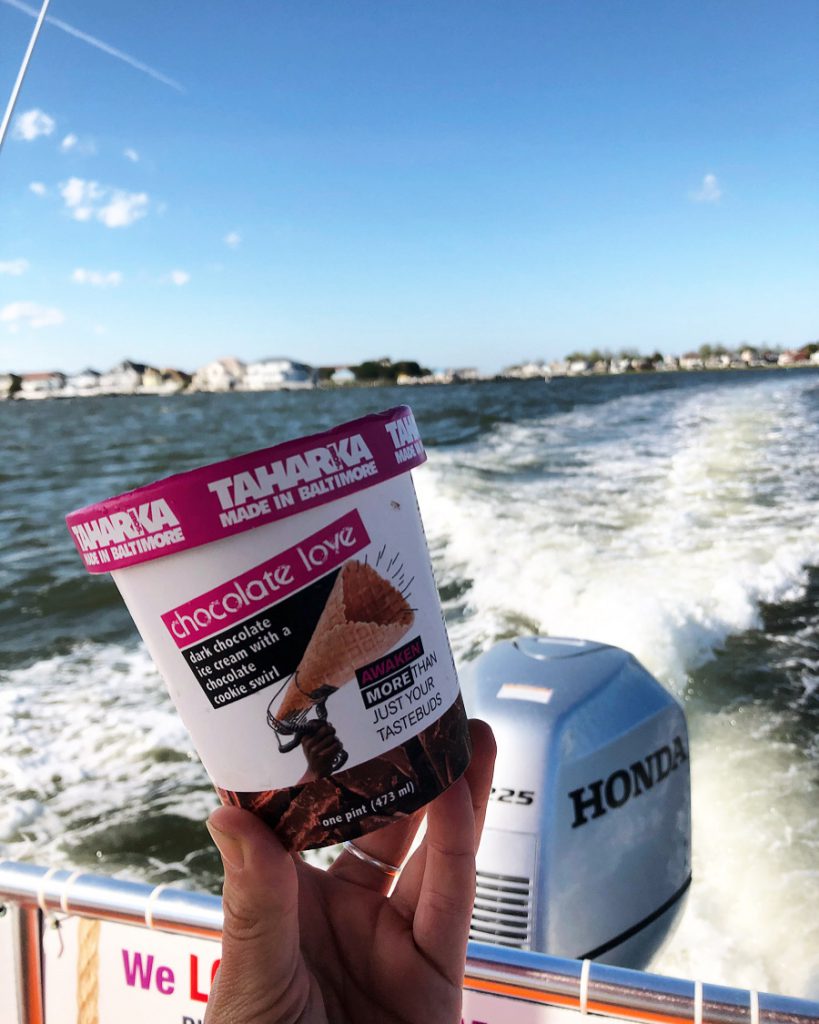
(229, 847)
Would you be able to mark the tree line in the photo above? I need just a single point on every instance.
(380, 370)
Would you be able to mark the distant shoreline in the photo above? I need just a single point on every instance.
(500, 378)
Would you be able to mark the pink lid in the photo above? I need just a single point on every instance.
(206, 504)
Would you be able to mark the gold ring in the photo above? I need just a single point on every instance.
(388, 869)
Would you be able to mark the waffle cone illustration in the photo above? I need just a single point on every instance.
(363, 618)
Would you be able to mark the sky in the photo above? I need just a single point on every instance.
(462, 182)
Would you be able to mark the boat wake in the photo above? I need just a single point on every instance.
(666, 525)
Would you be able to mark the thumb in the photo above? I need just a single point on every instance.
(261, 974)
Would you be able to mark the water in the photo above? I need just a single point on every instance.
(674, 515)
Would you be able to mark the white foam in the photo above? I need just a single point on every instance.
(661, 532)
(752, 918)
(659, 523)
(83, 741)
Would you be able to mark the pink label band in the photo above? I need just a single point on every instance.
(217, 501)
(267, 583)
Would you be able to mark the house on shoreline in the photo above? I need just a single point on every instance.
(164, 381)
(280, 373)
(224, 374)
(132, 378)
(40, 385)
(276, 374)
(123, 379)
(86, 382)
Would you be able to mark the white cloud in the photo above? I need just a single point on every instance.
(30, 314)
(38, 188)
(115, 208)
(14, 267)
(131, 154)
(80, 196)
(709, 191)
(98, 278)
(232, 239)
(32, 124)
(123, 209)
(74, 144)
(178, 277)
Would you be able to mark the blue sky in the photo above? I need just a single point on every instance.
(465, 182)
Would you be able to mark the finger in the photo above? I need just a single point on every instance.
(478, 776)
(390, 845)
(261, 966)
(442, 916)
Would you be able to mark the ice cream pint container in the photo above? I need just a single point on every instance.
(287, 598)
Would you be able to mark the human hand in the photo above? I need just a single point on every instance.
(306, 946)
(321, 748)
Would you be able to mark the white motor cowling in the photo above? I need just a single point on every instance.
(587, 845)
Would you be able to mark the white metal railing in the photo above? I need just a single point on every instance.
(31, 894)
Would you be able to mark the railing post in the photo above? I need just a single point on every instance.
(28, 964)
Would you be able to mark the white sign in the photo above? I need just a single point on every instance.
(107, 973)
(486, 1008)
(8, 994)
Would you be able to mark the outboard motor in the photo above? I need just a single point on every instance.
(586, 852)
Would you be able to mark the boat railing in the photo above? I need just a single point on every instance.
(501, 985)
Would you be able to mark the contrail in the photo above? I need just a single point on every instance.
(99, 44)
